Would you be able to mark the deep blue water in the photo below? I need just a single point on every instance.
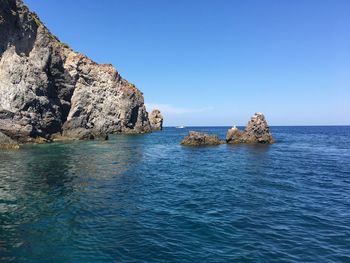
(148, 199)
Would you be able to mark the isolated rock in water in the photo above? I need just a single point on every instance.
(257, 131)
(156, 120)
(200, 138)
(46, 88)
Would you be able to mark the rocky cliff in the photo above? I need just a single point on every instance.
(48, 90)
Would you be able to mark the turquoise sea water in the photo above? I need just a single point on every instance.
(148, 199)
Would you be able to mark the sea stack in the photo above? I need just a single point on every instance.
(256, 131)
(47, 90)
(156, 120)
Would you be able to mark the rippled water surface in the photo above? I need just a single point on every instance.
(148, 199)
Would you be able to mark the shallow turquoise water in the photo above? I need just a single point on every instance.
(148, 199)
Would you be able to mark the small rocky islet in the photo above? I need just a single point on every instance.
(156, 120)
(256, 131)
(195, 138)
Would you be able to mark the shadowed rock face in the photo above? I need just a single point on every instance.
(156, 120)
(48, 90)
(257, 131)
(200, 139)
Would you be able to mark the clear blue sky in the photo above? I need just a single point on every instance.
(206, 62)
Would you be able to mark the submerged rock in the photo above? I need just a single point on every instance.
(79, 134)
(46, 88)
(156, 120)
(257, 131)
(200, 139)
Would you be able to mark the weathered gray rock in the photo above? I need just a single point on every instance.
(156, 120)
(48, 89)
(257, 131)
(201, 139)
(7, 143)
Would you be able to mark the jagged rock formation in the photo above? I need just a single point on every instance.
(47, 90)
(232, 133)
(200, 139)
(257, 131)
(156, 120)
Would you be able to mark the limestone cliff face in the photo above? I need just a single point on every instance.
(47, 89)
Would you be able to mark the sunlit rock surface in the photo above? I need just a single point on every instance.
(48, 90)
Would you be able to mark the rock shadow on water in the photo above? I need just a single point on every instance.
(35, 182)
(255, 151)
(57, 189)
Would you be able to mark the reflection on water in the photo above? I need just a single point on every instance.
(50, 185)
(255, 151)
(148, 199)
